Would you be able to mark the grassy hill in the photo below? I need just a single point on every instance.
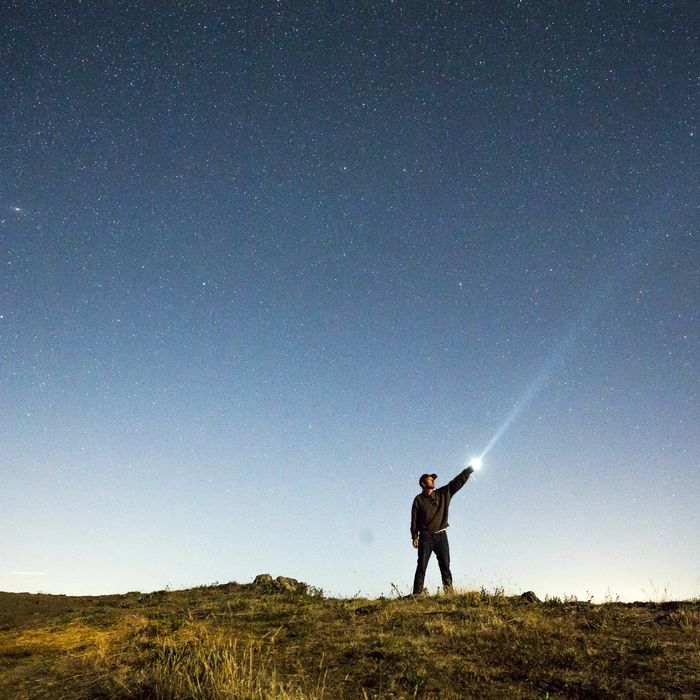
(254, 641)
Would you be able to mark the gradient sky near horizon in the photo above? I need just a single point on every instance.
(262, 264)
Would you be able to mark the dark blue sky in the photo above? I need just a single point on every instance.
(264, 265)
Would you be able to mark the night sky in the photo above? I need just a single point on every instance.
(262, 264)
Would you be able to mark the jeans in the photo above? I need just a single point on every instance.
(427, 544)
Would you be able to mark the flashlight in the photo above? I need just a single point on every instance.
(475, 463)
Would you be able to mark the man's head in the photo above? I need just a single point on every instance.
(427, 481)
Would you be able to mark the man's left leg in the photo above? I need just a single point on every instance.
(442, 552)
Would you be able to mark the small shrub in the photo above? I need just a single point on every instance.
(649, 647)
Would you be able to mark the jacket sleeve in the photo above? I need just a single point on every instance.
(414, 519)
(459, 481)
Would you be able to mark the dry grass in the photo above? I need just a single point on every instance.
(235, 641)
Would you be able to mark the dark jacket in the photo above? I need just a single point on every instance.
(430, 512)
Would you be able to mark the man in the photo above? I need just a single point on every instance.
(429, 526)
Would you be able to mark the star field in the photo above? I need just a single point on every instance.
(261, 266)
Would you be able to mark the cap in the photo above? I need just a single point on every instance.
(423, 476)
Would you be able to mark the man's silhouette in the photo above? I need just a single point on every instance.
(429, 526)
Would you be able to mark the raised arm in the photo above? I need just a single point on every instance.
(459, 481)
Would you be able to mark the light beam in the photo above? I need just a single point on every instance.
(553, 362)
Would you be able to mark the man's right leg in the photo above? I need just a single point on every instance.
(442, 552)
(425, 548)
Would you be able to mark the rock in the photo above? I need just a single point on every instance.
(263, 580)
(530, 597)
(284, 583)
